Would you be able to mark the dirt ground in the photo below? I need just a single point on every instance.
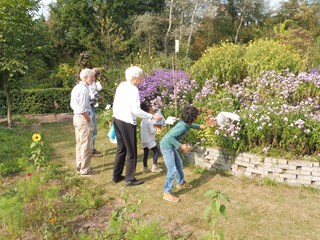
(257, 210)
(46, 118)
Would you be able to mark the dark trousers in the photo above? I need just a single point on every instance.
(126, 149)
(146, 153)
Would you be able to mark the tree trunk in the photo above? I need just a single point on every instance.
(238, 30)
(191, 28)
(169, 28)
(9, 105)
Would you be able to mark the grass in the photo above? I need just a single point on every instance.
(259, 209)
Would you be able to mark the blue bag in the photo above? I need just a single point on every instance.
(112, 135)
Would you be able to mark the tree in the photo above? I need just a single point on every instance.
(147, 31)
(74, 26)
(18, 40)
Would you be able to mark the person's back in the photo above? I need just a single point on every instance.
(148, 140)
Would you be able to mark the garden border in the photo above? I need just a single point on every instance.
(292, 172)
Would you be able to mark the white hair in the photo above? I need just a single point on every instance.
(85, 73)
(133, 72)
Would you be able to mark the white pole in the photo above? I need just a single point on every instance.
(176, 48)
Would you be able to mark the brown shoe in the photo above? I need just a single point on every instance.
(96, 152)
(170, 197)
(184, 186)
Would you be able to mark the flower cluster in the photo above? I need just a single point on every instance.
(280, 110)
(277, 110)
(163, 87)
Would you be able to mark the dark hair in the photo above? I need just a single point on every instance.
(145, 107)
(189, 114)
(96, 71)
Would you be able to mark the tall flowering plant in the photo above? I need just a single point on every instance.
(281, 111)
(163, 87)
(37, 156)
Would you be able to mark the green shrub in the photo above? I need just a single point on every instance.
(264, 55)
(223, 61)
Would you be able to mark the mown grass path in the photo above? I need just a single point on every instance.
(256, 211)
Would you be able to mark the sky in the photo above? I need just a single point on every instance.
(44, 6)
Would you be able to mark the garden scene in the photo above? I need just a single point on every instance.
(243, 57)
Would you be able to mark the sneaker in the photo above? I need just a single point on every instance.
(156, 169)
(184, 186)
(145, 170)
(170, 197)
(134, 182)
(88, 174)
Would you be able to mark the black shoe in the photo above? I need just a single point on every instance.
(116, 180)
(134, 182)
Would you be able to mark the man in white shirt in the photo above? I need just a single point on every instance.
(126, 109)
(80, 104)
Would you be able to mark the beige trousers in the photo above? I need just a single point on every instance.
(83, 131)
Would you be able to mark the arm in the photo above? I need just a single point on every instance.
(135, 107)
(197, 126)
(174, 134)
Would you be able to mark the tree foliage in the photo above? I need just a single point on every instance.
(23, 45)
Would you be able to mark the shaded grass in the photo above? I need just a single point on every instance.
(258, 209)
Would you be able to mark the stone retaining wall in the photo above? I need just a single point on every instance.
(292, 172)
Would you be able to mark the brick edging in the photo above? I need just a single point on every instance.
(292, 172)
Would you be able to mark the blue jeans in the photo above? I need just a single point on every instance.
(174, 166)
(94, 122)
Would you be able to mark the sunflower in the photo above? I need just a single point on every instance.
(36, 137)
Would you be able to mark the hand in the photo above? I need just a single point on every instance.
(157, 117)
(186, 147)
(203, 126)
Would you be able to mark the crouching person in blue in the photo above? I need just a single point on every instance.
(169, 145)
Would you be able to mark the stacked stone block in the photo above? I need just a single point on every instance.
(292, 172)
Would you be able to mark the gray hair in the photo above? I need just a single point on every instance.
(85, 73)
(133, 72)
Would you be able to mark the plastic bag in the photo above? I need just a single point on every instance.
(224, 118)
(161, 121)
(112, 135)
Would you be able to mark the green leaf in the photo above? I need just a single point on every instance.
(33, 144)
(221, 234)
(223, 210)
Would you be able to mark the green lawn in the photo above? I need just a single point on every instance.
(257, 210)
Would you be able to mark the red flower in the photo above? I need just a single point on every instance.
(29, 174)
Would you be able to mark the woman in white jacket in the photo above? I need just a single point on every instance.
(126, 109)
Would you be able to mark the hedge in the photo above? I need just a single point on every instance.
(37, 101)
